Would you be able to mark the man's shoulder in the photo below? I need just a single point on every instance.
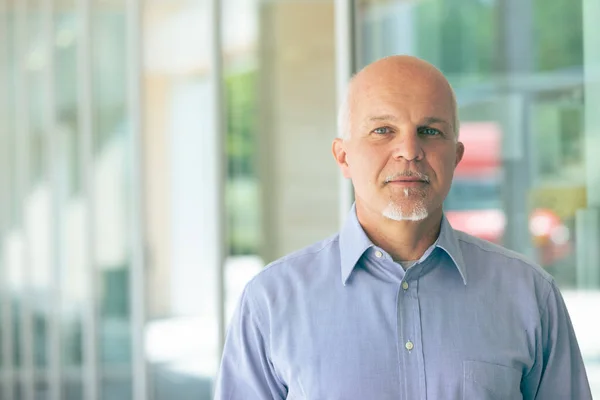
(490, 255)
(321, 257)
(322, 248)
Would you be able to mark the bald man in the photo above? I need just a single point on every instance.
(398, 305)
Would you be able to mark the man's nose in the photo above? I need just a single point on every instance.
(408, 146)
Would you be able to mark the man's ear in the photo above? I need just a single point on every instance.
(338, 149)
(460, 151)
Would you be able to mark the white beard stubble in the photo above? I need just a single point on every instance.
(411, 208)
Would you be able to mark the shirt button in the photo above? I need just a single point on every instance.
(409, 345)
(378, 254)
(404, 285)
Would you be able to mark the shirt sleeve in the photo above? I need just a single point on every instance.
(246, 371)
(560, 373)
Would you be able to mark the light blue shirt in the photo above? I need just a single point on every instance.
(340, 320)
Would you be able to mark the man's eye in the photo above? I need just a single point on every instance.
(429, 131)
(382, 131)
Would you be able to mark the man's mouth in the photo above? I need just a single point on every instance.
(407, 182)
(408, 179)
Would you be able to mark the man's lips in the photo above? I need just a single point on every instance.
(407, 179)
(407, 182)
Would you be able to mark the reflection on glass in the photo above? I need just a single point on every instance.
(9, 241)
(69, 195)
(11, 331)
(180, 219)
(111, 191)
(497, 154)
(5, 189)
(36, 218)
(517, 69)
(243, 194)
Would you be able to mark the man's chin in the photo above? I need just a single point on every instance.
(405, 212)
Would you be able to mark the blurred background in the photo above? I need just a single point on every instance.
(155, 155)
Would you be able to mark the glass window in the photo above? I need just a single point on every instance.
(518, 70)
(180, 188)
(242, 84)
(36, 202)
(282, 185)
(6, 197)
(11, 316)
(112, 191)
(71, 215)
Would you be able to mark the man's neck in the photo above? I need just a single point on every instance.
(403, 240)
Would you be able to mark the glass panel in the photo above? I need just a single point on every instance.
(26, 232)
(242, 79)
(6, 170)
(10, 241)
(281, 107)
(11, 111)
(20, 244)
(584, 300)
(10, 321)
(72, 232)
(179, 166)
(111, 196)
(37, 213)
(518, 70)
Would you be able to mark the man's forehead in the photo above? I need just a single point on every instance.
(405, 90)
(393, 106)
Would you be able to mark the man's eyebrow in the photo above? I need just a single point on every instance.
(386, 117)
(434, 120)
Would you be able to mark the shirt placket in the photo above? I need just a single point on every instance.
(410, 339)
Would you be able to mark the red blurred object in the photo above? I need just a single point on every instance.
(478, 174)
(482, 150)
(550, 236)
(485, 224)
(542, 222)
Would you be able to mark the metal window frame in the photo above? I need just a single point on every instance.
(6, 304)
(216, 81)
(137, 281)
(54, 348)
(345, 68)
(591, 54)
(25, 375)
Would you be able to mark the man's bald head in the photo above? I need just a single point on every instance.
(404, 74)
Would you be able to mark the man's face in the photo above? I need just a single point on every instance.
(402, 149)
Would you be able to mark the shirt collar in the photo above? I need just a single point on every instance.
(448, 242)
(354, 242)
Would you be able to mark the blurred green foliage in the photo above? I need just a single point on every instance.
(242, 189)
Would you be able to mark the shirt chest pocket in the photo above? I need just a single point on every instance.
(486, 381)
